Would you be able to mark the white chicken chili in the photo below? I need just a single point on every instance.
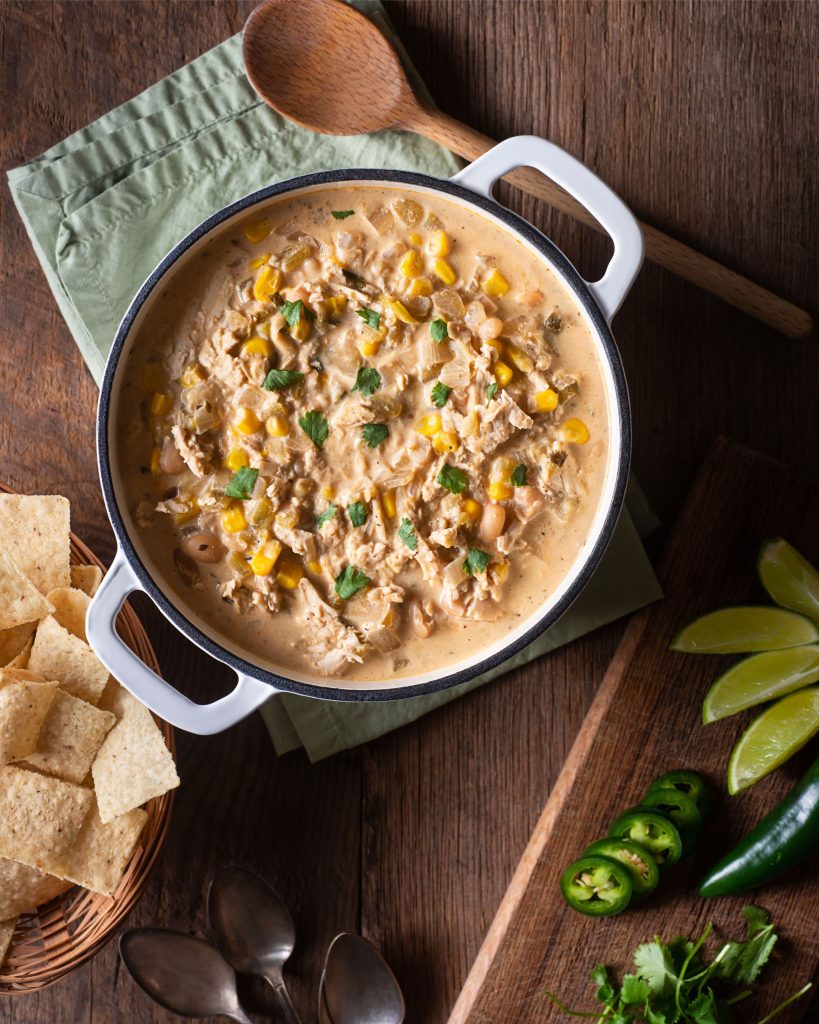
(363, 434)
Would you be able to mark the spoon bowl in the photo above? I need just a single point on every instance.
(183, 974)
(357, 985)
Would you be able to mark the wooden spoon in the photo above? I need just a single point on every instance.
(326, 66)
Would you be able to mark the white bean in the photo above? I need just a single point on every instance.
(490, 328)
(204, 547)
(421, 622)
(170, 461)
(493, 521)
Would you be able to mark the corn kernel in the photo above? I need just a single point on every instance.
(259, 261)
(497, 345)
(415, 238)
(499, 491)
(246, 422)
(236, 459)
(233, 519)
(574, 431)
(156, 455)
(429, 425)
(439, 244)
(267, 284)
(501, 468)
(501, 571)
(369, 346)
(445, 441)
(160, 404)
(411, 265)
(301, 332)
(193, 510)
(399, 310)
(471, 511)
(314, 566)
(257, 347)
(503, 373)
(495, 284)
(328, 493)
(388, 503)
(444, 271)
(261, 564)
(257, 230)
(520, 359)
(420, 286)
(277, 426)
(153, 377)
(290, 572)
(546, 401)
(192, 374)
(334, 306)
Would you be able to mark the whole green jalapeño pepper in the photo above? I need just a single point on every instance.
(651, 830)
(596, 886)
(781, 840)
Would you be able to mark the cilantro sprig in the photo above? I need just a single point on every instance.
(371, 317)
(293, 312)
(406, 531)
(438, 330)
(357, 511)
(315, 426)
(440, 394)
(374, 434)
(454, 479)
(342, 214)
(476, 561)
(326, 515)
(518, 475)
(367, 381)
(349, 581)
(491, 391)
(242, 484)
(278, 379)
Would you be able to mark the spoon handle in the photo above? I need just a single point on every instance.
(660, 248)
(288, 1010)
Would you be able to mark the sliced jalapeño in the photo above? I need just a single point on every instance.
(597, 886)
(681, 809)
(690, 784)
(639, 862)
(651, 830)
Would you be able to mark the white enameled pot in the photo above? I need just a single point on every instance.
(257, 683)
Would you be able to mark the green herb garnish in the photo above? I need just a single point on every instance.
(406, 531)
(367, 381)
(438, 330)
(491, 391)
(315, 426)
(242, 484)
(293, 312)
(342, 214)
(278, 379)
(374, 434)
(371, 317)
(326, 515)
(440, 393)
(452, 478)
(349, 581)
(476, 561)
(357, 512)
(518, 477)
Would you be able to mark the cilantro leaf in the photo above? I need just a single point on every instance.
(349, 581)
(315, 426)
(453, 479)
(242, 484)
(358, 513)
(277, 379)
(655, 967)
(518, 477)
(704, 1009)
(371, 317)
(634, 990)
(374, 434)
(367, 381)
(341, 214)
(491, 391)
(438, 330)
(293, 312)
(744, 960)
(406, 531)
(476, 561)
(605, 989)
(440, 394)
(326, 515)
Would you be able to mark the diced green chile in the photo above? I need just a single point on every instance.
(596, 886)
(639, 862)
(690, 784)
(652, 830)
(680, 809)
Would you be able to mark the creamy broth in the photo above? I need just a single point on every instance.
(434, 383)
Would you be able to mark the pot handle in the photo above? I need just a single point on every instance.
(576, 179)
(167, 702)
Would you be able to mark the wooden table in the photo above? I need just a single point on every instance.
(702, 116)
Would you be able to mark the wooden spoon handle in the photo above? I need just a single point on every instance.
(675, 256)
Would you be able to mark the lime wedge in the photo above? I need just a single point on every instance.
(789, 578)
(745, 630)
(773, 737)
(761, 678)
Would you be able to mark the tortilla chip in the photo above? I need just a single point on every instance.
(57, 654)
(35, 532)
(86, 578)
(12, 674)
(69, 609)
(24, 707)
(6, 933)
(20, 600)
(16, 642)
(23, 889)
(101, 853)
(133, 764)
(41, 816)
(70, 737)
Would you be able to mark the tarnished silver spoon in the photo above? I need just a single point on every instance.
(182, 974)
(253, 929)
(357, 986)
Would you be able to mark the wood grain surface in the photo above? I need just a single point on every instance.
(702, 116)
(646, 720)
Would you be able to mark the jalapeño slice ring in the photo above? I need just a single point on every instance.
(678, 808)
(637, 859)
(651, 830)
(596, 886)
(688, 783)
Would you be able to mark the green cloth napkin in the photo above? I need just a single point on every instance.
(101, 209)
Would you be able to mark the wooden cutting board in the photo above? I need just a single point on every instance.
(645, 720)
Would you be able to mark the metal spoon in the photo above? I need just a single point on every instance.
(357, 986)
(182, 974)
(253, 929)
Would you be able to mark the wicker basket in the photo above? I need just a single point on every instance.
(61, 935)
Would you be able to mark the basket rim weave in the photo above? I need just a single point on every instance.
(60, 936)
